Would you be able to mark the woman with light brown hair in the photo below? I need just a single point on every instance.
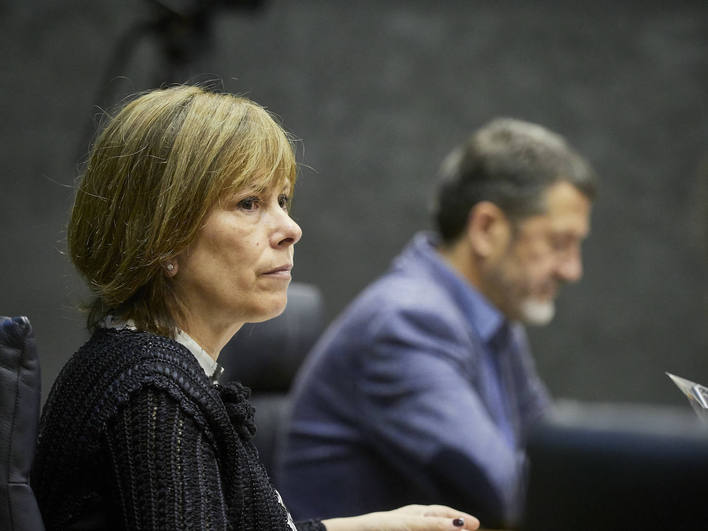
(181, 229)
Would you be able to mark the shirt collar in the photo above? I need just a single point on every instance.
(480, 312)
(208, 364)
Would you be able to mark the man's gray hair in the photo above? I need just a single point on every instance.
(510, 163)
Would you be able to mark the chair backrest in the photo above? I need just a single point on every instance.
(20, 397)
(266, 357)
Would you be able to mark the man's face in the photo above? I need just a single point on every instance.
(543, 252)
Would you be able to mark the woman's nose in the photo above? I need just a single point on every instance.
(287, 231)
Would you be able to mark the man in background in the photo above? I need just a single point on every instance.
(424, 389)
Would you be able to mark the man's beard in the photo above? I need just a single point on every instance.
(514, 298)
(536, 312)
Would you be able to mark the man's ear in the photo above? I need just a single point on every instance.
(488, 229)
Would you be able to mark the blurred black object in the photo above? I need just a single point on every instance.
(181, 29)
(617, 467)
(183, 26)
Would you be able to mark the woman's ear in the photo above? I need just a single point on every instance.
(170, 268)
(488, 229)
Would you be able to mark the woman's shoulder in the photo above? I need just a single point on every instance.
(111, 354)
(115, 365)
(134, 350)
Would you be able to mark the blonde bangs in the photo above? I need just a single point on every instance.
(259, 156)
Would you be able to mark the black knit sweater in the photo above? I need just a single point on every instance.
(135, 436)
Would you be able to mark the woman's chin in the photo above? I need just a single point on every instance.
(273, 309)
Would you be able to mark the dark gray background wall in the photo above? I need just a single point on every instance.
(379, 91)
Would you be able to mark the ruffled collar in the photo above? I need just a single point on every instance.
(241, 413)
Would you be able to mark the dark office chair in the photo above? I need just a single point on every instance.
(266, 356)
(20, 396)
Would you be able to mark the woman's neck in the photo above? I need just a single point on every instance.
(209, 337)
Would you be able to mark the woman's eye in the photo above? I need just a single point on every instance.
(284, 201)
(250, 203)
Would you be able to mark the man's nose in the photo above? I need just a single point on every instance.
(570, 267)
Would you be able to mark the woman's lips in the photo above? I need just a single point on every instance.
(282, 272)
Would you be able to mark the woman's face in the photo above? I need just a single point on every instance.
(238, 268)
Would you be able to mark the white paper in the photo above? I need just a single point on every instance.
(697, 395)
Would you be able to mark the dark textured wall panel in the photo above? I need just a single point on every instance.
(379, 91)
